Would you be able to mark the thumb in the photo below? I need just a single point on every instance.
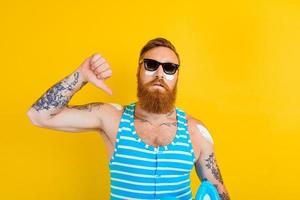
(104, 87)
(100, 84)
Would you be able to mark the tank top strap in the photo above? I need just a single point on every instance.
(125, 126)
(182, 124)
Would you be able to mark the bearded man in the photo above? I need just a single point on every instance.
(152, 145)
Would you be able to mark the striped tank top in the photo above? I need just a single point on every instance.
(141, 171)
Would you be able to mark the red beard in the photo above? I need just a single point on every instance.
(156, 101)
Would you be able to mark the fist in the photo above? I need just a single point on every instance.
(96, 70)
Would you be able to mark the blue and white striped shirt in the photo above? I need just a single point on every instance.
(141, 171)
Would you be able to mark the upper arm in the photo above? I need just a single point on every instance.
(77, 118)
(206, 163)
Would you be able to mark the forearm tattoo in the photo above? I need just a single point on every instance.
(224, 196)
(58, 96)
(213, 166)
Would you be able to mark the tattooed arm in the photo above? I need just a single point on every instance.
(52, 111)
(206, 163)
(208, 169)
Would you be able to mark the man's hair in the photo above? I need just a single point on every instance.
(158, 42)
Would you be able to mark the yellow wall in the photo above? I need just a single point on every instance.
(240, 76)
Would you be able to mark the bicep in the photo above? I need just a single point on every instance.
(76, 118)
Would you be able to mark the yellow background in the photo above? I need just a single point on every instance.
(239, 75)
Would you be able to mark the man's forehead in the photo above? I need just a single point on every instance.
(162, 54)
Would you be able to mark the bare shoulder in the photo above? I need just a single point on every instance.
(200, 135)
(193, 122)
(110, 115)
(194, 125)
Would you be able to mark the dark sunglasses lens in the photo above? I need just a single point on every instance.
(170, 68)
(151, 65)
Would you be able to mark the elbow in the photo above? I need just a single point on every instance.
(34, 118)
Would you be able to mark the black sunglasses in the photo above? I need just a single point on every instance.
(152, 65)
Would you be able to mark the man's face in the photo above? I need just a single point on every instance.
(156, 89)
(163, 55)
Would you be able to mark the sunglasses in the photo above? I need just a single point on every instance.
(152, 65)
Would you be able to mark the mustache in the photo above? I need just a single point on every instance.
(158, 80)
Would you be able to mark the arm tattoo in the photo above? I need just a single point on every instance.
(213, 166)
(211, 163)
(58, 96)
(224, 196)
(88, 107)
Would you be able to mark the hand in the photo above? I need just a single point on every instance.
(95, 70)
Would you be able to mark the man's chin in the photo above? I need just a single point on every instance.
(156, 99)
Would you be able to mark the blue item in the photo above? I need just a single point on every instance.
(207, 191)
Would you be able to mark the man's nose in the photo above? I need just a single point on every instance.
(159, 72)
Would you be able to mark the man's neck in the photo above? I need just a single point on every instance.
(153, 117)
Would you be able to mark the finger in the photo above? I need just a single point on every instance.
(106, 74)
(95, 57)
(102, 68)
(98, 63)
